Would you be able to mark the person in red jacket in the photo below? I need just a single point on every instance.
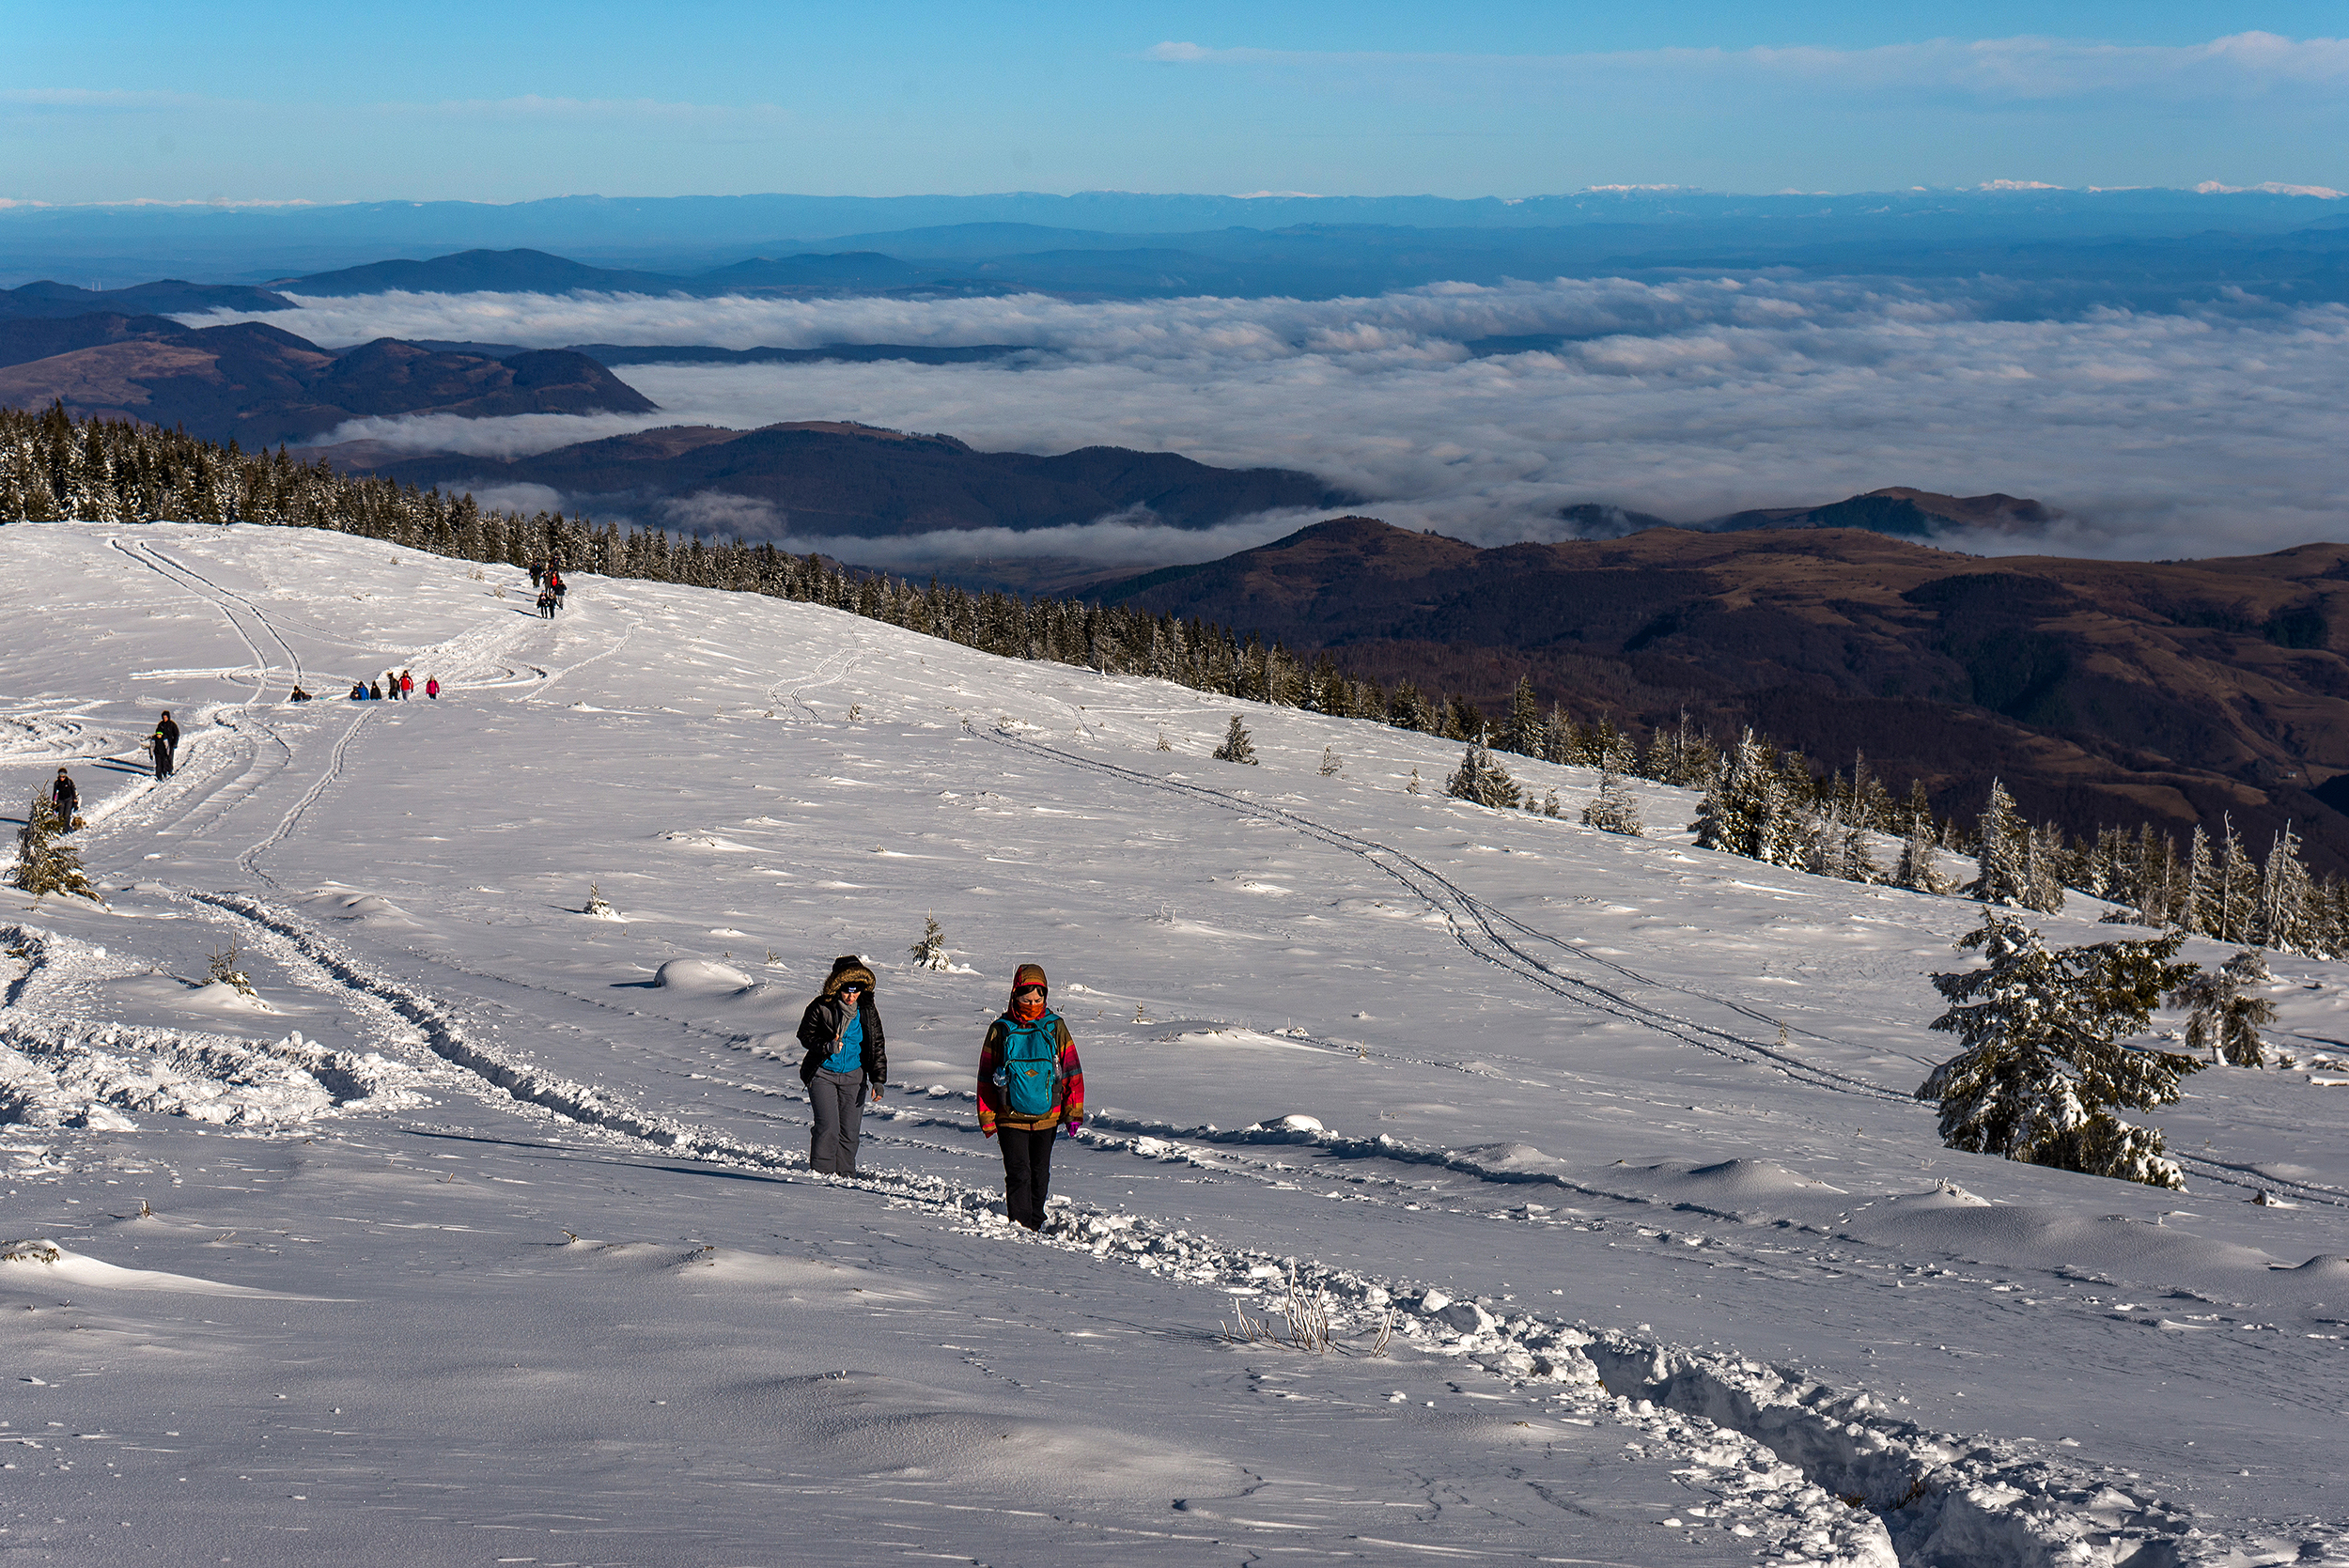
(1032, 1089)
(432, 688)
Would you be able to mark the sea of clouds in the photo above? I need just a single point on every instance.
(2211, 429)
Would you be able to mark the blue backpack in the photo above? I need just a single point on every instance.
(1030, 1072)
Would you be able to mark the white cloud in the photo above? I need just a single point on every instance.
(2196, 433)
(2012, 69)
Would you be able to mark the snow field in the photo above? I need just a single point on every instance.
(1523, 1084)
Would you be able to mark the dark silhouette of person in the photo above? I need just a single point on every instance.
(165, 744)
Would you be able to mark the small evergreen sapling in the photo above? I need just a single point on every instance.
(2044, 1067)
(44, 866)
(1551, 806)
(930, 952)
(1482, 780)
(225, 971)
(1237, 745)
(1613, 810)
(1414, 788)
(1329, 763)
(598, 905)
(2221, 1016)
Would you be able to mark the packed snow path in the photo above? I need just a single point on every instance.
(483, 1231)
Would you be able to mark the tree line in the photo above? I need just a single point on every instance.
(1761, 801)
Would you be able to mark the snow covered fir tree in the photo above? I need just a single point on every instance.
(1613, 810)
(2045, 1069)
(45, 864)
(2224, 1015)
(1483, 780)
(1239, 745)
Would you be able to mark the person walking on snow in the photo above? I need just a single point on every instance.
(1031, 1088)
(432, 689)
(407, 685)
(165, 744)
(841, 1032)
(67, 798)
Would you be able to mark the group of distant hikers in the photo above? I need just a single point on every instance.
(551, 586)
(395, 685)
(1031, 1088)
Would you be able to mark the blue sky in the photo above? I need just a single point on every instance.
(509, 101)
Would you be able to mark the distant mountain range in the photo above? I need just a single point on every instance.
(2022, 254)
(823, 478)
(53, 301)
(1897, 510)
(258, 385)
(692, 234)
(2100, 692)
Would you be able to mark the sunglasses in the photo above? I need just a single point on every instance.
(850, 990)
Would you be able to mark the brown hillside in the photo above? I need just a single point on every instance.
(2103, 692)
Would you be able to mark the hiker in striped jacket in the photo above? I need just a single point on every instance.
(1032, 1089)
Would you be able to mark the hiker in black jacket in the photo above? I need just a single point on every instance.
(841, 1032)
(67, 798)
(165, 743)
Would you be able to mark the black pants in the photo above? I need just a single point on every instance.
(163, 762)
(1027, 1173)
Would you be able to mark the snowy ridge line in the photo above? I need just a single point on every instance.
(1794, 1459)
(1466, 913)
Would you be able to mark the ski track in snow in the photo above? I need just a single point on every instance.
(1805, 1471)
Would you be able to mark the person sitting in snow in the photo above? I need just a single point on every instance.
(1032, 1089)
(841, 1032)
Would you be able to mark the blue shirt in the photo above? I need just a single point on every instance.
(850, 1057)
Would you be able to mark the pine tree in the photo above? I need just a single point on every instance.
(1482, 780)
(1917, 812)
(1414, 788)
(44, 863)
(2003, 852)
(930, 952)
(1917, 869)
(1745, 812)
(2043, 1070)
(2222, 1019)
(1551, 804)
(1613, 810)
(2195, 911)
(1522, 731)
(2234, 890)
(1329, 763)
(2281, 918)
(1237, 745)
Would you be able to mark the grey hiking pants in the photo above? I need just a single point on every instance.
(838, 1100)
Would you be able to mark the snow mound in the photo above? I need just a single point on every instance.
(219, 997)
(1253, 1038)
(22, 1261)
(93, 1074)
(707, 841)
(701, 975)
(864, 1423)
(366, 908)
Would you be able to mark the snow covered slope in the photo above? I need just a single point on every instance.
(484, 1233)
